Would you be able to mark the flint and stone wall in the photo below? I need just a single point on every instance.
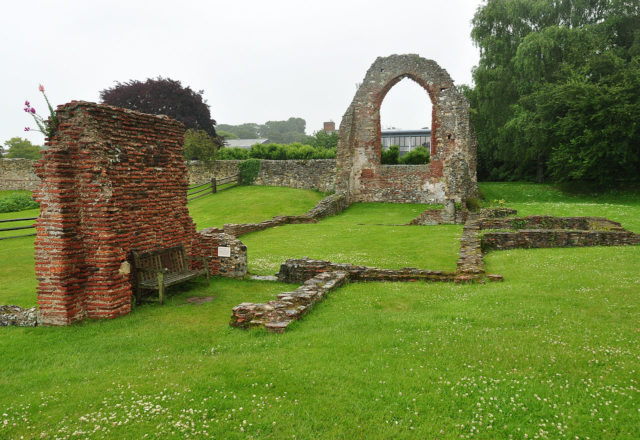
(451, 175)
(17, 174)
(112, 181)
(317, 174)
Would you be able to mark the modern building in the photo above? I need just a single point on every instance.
(244, 143)
(407, 140)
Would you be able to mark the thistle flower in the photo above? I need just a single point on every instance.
(27, 129)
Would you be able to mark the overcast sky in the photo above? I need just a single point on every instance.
(255, 60)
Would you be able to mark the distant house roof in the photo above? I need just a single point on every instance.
(244, 143)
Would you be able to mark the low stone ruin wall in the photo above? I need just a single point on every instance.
(315, 174)
(233, 265)
(330, 205)
(298, 270)
(18, 316)
(277, 314)
(470, 261)
(547, 238)
(549, 222)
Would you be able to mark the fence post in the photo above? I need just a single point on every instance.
(214, 186)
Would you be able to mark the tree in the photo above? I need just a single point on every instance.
(163, 96)
(22, 148)
(541, 63)
(243, 131)
(322, 139)
(284, 132)
(198, 145)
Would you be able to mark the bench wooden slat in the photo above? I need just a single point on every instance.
(159, 269)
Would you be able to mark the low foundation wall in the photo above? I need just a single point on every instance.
(547, 238)
(298, 270)
(326, 207)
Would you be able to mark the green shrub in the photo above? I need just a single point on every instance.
(249, 170)
(418, 156)
(390, 156)
(274, 151)
(232, 154)
(473, 204)
(17, 202)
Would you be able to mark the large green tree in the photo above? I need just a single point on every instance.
(284, 132)
(21, 148)
(550, 72)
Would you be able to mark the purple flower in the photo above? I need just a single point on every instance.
(27, 103)
(33, 110)
(26, 129)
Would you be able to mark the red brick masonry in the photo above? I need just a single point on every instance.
(112, 181)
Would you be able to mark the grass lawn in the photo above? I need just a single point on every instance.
(552, 352)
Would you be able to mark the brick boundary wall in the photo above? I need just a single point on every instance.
(112, 181)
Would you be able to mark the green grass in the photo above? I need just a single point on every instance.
(552, 352)
(533, 199)
(250, 204)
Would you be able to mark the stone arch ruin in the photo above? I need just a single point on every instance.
(451, 175)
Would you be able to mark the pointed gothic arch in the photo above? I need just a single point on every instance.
(451, 175)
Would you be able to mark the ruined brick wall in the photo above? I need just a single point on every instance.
(451, 175)
(17, 174)
(112, 181)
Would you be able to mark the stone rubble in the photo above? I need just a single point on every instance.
(18, 316)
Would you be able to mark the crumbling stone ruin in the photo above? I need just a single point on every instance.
(112, 181)
(489, 229)
(451, 175)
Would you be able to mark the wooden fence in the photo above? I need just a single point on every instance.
(202, 190)
(16, 228)
(193, 193)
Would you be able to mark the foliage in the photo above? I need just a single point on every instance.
(226, 153)
(249, 170)
(242, 131)
(390, 156)
(473, 204)
(17, 202)
(21, 148)
(285, 132)
(277, 152)
(198, 145)
(556, 92)
(226, 134)
(47, 127)
(322, 139)
(418, 156)
(163, 96)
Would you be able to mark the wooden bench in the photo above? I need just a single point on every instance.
(162, 268)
